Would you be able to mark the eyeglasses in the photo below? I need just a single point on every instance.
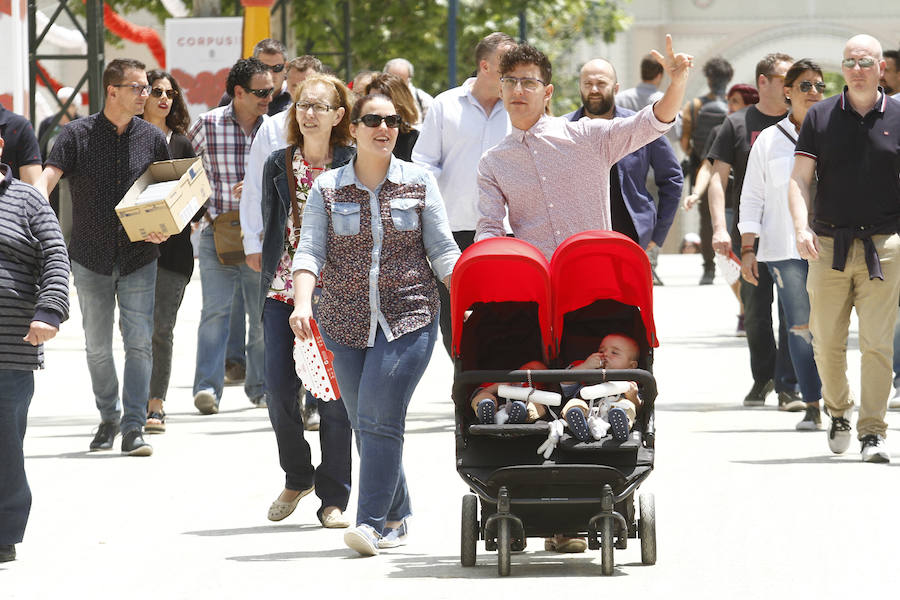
(317, 107)
(529, 84)
(142, 90)
(864, 63)
(805, 86)
(370, 120)
(276, 68)
(263, 93)
(159, 92)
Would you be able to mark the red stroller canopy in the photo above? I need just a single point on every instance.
(601, 265)
(500, 270)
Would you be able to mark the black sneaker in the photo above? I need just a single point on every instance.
(7, 552)
(758, 393)
(106, 435)
(656, 280)
(133, 444)
(812, 420)
(709, 276)
(791, 401)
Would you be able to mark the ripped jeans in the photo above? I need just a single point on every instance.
(790, 280)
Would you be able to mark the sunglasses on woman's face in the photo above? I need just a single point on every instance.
(805, 86)
(370, 120)
(158, 93)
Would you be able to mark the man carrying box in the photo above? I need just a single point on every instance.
(102, 155)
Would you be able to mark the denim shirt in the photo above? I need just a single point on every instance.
(376, 246)
(276, 206)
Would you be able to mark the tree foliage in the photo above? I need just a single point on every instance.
(417, 30)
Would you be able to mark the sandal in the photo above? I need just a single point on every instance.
(156, 422)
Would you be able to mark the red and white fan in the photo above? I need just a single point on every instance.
(315, 366)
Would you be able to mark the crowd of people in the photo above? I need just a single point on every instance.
(354, 205)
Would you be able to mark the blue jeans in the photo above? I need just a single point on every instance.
(16, 390)
(790, 280)
(219, 283)
(332, 478)
(376, 384)
(237, 330)
(97, 296)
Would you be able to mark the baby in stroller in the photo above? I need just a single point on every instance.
(485, 402)
(616, 351)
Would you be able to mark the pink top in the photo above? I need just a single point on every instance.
(554, 177)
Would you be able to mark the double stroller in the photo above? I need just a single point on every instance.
(510, 306)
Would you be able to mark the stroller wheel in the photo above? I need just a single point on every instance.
(503, 548)
(647, 529)
(469, 530)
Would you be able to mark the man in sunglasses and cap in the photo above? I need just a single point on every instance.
(850, 143)
(222, 137)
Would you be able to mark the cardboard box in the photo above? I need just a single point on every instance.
(171, 214)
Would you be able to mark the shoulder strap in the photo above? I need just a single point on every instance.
(292, 185)
(786, 134)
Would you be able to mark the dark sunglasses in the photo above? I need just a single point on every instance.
(805, 86)
(159, 92)
(370, 120)
(276, 68)
(263, 93)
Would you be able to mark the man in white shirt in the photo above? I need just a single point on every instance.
(462, 124)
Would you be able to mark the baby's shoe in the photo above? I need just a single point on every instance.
(618, 423)
(486, 410)
(517, 411)
(578, 425)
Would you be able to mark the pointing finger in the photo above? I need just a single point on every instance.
(658, 57)
(669, 50)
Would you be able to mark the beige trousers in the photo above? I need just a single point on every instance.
(832, 295)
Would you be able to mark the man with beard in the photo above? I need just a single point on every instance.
(632, 208)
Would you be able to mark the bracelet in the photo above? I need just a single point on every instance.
(748, 247)
(747, 250)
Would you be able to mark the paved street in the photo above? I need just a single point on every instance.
(746, 506)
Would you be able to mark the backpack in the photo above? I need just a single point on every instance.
(712, 112)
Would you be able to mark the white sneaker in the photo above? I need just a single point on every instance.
(874, 449)
(894, 401)
(839, 432)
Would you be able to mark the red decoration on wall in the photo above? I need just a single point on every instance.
(7, 101)
(204, 88)
(133, 33)
(6, 7)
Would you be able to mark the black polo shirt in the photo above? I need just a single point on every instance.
(20, 145)
(857, 161)
(101, 165)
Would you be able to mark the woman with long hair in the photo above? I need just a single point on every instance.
(317, 128)
(166, 109)
(379, 229)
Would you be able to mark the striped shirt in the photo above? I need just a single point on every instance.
(225, 148)
(34, 271)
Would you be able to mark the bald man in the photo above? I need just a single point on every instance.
(633, 209)
(851, 142)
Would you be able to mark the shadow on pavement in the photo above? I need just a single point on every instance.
(252, 530)
(238, 431)
(281, 556)
(790, 430)
(536, 564)
(851, 458)
(697, 407)
(82, 454)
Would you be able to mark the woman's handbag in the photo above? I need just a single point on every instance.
(228, 238)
